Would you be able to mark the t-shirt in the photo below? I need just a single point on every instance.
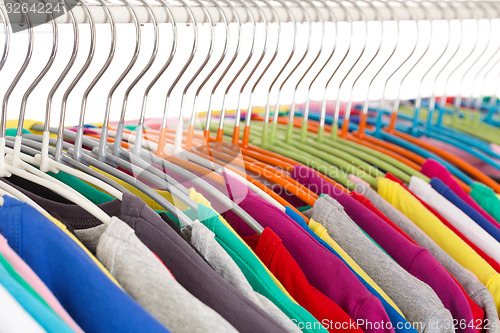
(255, 273)
(490, 228)
(148, 281)
(27, 273)
(476, 291)
(487, 258)
(81, 287)
(396, 195)
(487, 199)
(318, 264)
(417, 300)
(269, 247)
(456, 217)
(434, 169)
(204, 241)
(13, 317)
(189, 269)
(417, 260)
(29, 300)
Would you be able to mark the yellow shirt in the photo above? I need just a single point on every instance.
(400, 198)
(322, 233)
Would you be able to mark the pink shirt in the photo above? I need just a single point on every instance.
(27, 273)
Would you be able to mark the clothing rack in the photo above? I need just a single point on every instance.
(463, 10)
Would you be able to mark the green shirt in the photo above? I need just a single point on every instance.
(254, 271)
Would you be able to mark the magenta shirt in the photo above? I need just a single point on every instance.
(323, 269)
(433, 169)
(415, 259)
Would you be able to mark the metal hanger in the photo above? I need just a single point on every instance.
(18, 161)
(180, 170)
(5, 188)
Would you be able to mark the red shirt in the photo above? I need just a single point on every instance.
(270, 249)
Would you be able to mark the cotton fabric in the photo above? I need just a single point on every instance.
(204, 241)
(397, 196)
(456, 217)
(475, 289)
(417, 300)
(27, 273)
(13, 317)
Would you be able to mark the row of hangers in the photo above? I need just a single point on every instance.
(208, 156)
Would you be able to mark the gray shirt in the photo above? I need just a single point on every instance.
(474, 288)
(418, 302)
(203, 239)
(148, 281)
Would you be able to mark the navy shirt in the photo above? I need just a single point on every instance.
(446, 192)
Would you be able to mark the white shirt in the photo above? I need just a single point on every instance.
(456, 217)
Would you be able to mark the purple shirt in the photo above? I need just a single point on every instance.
(416, 260)
(322, 268)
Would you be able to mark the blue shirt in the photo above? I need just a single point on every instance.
(484, 223)
(95, 302)
(399, 323)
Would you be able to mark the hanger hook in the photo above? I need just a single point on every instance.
(345, 124)
(337, 104)
(395, 17)
(318, 55)
(179, 132)
(221, 77)
(160, 151)
(294, 69)
(10, 89)
(3, 120)
(418, 101)
(248, 116)
(220, 130)
(414, 18)
(101, 154)
(268, 102)
(330, 80)
(455, 69)
(237, 119)
(86, 65)
(458, 99)
(22, 112)
(139, 131)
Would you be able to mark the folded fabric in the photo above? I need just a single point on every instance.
(455, 216)
(27, 273)
(433, 169)
(487, 199)
(13, 317)
(491, 228)
(397, 196)
(146, 279)
(204, 241)
(475, 289)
